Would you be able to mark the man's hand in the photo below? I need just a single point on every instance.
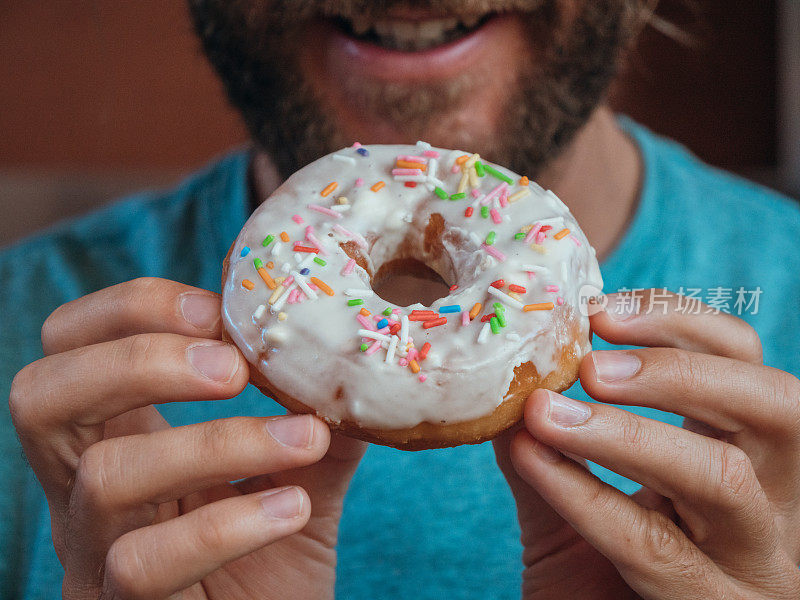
(719, 513)
(143, 510)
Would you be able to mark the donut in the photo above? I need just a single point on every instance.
(299, 295)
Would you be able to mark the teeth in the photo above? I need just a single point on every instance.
(410, 35)
(361, 25)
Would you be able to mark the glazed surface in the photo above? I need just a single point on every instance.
(323, 349)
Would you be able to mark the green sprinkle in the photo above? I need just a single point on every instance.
(485, 212)
(495, 325)
(458, 196)
(355, 302)
(440, 192)
(364, 347)
(497, 174)
(258, 264)
(387, 312)
(319, 261)
(519, 236)
(268, 240)
(480, 170)
(498, 307)
(501, 318)
(490, 238)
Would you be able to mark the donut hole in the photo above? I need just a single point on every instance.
(406, 281)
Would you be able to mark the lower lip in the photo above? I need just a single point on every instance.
(347, 55)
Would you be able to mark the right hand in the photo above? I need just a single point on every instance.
(140, 509)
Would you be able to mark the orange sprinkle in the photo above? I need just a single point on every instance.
(267, 279)
(270, 265)
(561, 234)
(328, 189)
(524, 180)
(475, 310)
(462, 159)
(414, 366)
(247, 284)
(364, 312)
(540, 306)
(284, 236)
(378, 186)
(423, 352)
(405, 164)
(322, 285)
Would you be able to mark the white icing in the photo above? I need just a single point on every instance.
(314, 356)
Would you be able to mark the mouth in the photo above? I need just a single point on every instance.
(411, 34)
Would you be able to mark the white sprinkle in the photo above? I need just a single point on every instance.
(359, 292)
(374, 335)
(436, 182)
(392, 348)
(505, 298)
(342, 158)
(298, 257)
(285, 267)
(340, 207)
(514, 337)
(423, 145)
(484, 334)
(260, 312)
(282, 300)
(433, 165)
(276, 248)
(403, 331)
(301, 281)
(394, 317)
(523, 193)
(414, 178)
(535, 268)
(307, 260)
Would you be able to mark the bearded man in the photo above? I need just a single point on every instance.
(195, 499)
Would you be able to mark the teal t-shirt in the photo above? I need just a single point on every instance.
(434, 524)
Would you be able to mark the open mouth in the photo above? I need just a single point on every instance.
(411, 35)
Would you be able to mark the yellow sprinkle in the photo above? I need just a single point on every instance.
(282, 316)
(539, 248)
(526, 229)
(515, 295)
(278, 291)
(462, 185)
(472, 160)
(519, 195)
(561, 234)
(342, 200)
(247, 284)
(328, 189)
(474, 182)
(378, 186)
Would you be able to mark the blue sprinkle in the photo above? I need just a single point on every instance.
(383, 323)
(453, 308)
(245, 251)
(305, 271)
(363, 151)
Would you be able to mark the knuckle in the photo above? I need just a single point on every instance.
(217, 437)
(735, 480)
(125, 574)
(212, 536)
(632, 433)
(140, 348)
(661, 541)
(93, 487)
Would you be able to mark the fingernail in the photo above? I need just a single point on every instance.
(282, 504)
(614, 365)
(622, 307)
(295, 432)
(200, 310)
(215, 360)
(567, 413)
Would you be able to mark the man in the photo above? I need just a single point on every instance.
(139, 508)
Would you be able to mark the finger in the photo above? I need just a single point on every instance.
(160, 560)
(143, 305)
(729, 395)
(173, 463)
(660, 318)
(650, 551)
(711, 483)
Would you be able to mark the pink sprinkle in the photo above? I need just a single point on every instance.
(551, 288)
(288, 281)
(530, 274)
(383, 330)
(496, 216)
(464, 318)
(422, 378)
(325, 211)
(297, 219)
(356, 144)
(359, 239)
(377, 318)
(504, 199)
(495, 192)
(374, 348)
(413, 354)
(403, 362)
(314, 240)
(494, 252)
(359, 182)
(312, 286)
(576, 240)
(476, 193)
(407, 172)
(431, 154)
(396, 311)
(532, 233)
(293, 296)
(365, 322)
(559, 301)
(540, 237)
(348, 268)
(414, 159)
(455, 169)
(301, 296)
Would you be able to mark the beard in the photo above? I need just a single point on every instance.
(575, 52)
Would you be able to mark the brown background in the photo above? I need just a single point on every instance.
(100, 97)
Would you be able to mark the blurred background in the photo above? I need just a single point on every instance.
(100, 97)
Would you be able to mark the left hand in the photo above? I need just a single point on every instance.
(719, 513)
